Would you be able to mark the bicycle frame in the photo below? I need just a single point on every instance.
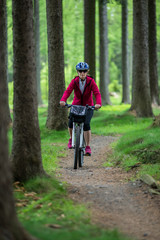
(78, 141)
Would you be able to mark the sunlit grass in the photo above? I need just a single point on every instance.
(138, 142)
(115, 120)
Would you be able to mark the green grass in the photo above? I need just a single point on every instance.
(138, 142)
(48, 203)
(43, 202)
(116, 120)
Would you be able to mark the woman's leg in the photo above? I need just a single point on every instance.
(87, 137)
(70, 127)
(70, 131)
(87, 132)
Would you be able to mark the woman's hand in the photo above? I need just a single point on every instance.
(97, 106)
(62, 103)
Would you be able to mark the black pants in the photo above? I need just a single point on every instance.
(87, 121)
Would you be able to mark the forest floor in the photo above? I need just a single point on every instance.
(113, 199)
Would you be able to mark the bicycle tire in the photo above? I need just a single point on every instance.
(81, 157)
(76, 150)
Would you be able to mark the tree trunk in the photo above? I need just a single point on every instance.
(57, 116)
(26, 149)
(89, 33)
(104, 66)
(4, 52)
(37, 39)
(125, 56)
(9, 226)
(141, 100)
(153, 74)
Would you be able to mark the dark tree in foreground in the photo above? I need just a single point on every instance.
(153, 74)
(57, 116)
(10, 227)
(104, 66)
(89, 33)
(26, 149)
(3, 52)
(141, 100)
(125, 56)
(37, 39)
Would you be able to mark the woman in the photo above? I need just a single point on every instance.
(84, 87)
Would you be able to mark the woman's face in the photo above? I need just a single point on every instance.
(82, 74)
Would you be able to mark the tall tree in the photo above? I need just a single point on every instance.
(89, 35)
(141, 100)
(57, 117)
(4, 53)
(26, 148)
(9, 225)
(104, 66)
(125, 56)
(153, 74)
(37, 40)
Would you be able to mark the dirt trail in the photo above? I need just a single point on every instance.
(114, 201)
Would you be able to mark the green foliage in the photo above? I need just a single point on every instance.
(115, 86)
(144, 144)
(44, 82)
(116, 120)
(138, 144)
(10, 94)
(74, 41)
(73, 36)
(73, 26)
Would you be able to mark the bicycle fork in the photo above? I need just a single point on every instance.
(74, 134)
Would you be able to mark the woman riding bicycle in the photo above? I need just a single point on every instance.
(84, 87)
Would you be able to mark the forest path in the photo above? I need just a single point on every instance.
(113, 200)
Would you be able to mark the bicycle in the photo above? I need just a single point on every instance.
(78, 114)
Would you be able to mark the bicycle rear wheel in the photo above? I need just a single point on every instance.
(76, 150)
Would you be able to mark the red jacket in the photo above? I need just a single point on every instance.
(85, 98)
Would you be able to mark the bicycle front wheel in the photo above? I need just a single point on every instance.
(76, 150)
(81, 157)
(81, 153)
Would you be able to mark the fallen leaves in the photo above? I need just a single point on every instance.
(18, 187)
(49, 204)
(28, 196)
(39, 206)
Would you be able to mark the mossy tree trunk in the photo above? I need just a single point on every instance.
(4, 52)
(141, 99)
(153, 74)
(26, 148)
(104, 66)
(89, 35)
(57, 116)
(125, 55)
(10, 227)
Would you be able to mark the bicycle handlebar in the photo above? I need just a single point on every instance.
(89, 107)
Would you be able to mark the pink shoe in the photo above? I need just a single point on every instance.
(88, 151)
(70, 143)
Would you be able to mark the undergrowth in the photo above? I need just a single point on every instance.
(42, 204)
(138, 143)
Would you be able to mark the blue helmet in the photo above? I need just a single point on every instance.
(82, 66)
